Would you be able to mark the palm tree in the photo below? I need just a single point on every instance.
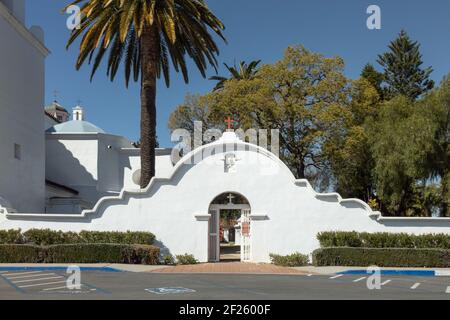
(145, 35)
(244, 71)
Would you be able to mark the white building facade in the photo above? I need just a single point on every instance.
(280, 214)
(22, 141)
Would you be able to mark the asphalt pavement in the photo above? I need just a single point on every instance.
(99, 285)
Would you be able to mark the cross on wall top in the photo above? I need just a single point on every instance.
(231, 122)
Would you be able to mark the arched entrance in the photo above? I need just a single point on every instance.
(229, 228)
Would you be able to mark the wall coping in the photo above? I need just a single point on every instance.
(23, 31)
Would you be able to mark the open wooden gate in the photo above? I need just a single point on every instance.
(245, 236)
(213, 234)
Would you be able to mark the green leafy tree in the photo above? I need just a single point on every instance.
(403, 72)
(349, 154)
(146, 36)
(436, 108)
(401, 144)
(375, 78)
(194, 108)
(304, 95)
(244, 71)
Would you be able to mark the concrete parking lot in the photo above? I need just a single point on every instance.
(51, 284)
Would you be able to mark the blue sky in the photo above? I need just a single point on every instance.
(256, 29)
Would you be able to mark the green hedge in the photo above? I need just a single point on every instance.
(80, 253)
(292, 260)
(383, 240)
(385, 257)
(17, 253)
(46, 237)
(11, 237)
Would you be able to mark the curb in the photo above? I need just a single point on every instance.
(394, 272)
(59, 268)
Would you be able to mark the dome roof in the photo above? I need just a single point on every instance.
(75, 126)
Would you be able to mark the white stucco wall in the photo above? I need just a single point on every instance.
(286, 213)
(97, 164)
(22, 182)
(17, 8)
(90, 163)
(131, 162)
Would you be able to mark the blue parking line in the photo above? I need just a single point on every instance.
(393, 272)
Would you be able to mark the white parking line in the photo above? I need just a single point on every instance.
(65, 287)
(415, 286)
(23, 273)
(57, 288)
(447, 290)
(31, 276)
(359, 279)
(41, 284)
(386, 282)
(40, 279)
(336, 276)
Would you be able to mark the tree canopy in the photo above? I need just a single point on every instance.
(403, 72)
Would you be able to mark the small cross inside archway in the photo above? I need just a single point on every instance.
(230, 198)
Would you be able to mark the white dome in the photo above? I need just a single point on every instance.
(75, 126)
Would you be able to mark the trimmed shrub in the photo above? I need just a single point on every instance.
(383, 240)
(46, 237)
(80, 253)
(145, 238)
(11, 237)
(186, 259)
(384, 257)
(168, 260)
(141, 254)
(292, 260)
(21, 253)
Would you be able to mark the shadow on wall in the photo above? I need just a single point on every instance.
(164, 251)
(64, 168)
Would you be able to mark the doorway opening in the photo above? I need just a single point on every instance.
(229, 228)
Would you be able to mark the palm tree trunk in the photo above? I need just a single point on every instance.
(149, 45)
(445, 193)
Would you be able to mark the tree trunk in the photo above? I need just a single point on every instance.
(149, 56)
(301, 170)
(445, 193)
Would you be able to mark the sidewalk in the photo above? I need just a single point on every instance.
(85, 266)
(225, 267)
(232, 267)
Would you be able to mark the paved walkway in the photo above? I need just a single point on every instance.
(231, 267)
(224, 267)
